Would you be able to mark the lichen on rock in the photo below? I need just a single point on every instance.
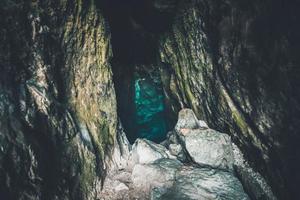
(60, 97)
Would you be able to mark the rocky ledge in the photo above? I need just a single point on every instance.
(194, 162)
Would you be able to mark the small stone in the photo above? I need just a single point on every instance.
(172, 137)
(175, 149)
(187, 120)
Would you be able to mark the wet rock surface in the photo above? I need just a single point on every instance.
(58, 117)
(253, 183)
(204, 183)
(220, 60)
(163, 177)
(145, 151)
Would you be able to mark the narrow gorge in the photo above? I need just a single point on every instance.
(149, 99)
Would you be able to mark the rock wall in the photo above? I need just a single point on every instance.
(57, 102)
(234, 63)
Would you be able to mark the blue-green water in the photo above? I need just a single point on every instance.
(150, 122)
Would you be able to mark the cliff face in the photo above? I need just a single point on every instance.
(235, 65)
(57, 107)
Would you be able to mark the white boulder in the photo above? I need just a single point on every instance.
(145, 152)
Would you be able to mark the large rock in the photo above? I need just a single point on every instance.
(204, 184)
(145, 152)
(159, 174)
(206, 147)
(187, 119)
(116, 186)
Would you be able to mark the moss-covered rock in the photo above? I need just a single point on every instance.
(58, 108)
(234, 64)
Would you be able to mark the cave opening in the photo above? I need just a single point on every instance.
(135, 27)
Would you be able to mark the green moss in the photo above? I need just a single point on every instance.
(239, 120)
(189, 93)
(88, 174)
(105, 138)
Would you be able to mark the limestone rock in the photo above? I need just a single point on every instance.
(187, 119)
(172, 138)
(161, 173)
(204, 184)
(208, 148)
(145, 151)
(255, 185)
(121, 151)
(114, 188)
(176, 150)
(202, 124)
(121, 187)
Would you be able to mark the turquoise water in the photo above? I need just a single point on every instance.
(150, 122)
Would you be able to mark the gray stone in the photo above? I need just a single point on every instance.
(203, 184)
(202, 124)
(159, 174)
(121, 151)
(172, 137)
(253, 182)
(158, 193)
(208, 147)
(187, 119)
(176, 150)
(121, 187)
(145, 152)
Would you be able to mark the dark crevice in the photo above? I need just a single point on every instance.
(135, 27)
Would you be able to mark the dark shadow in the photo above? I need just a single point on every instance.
(135, 27)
